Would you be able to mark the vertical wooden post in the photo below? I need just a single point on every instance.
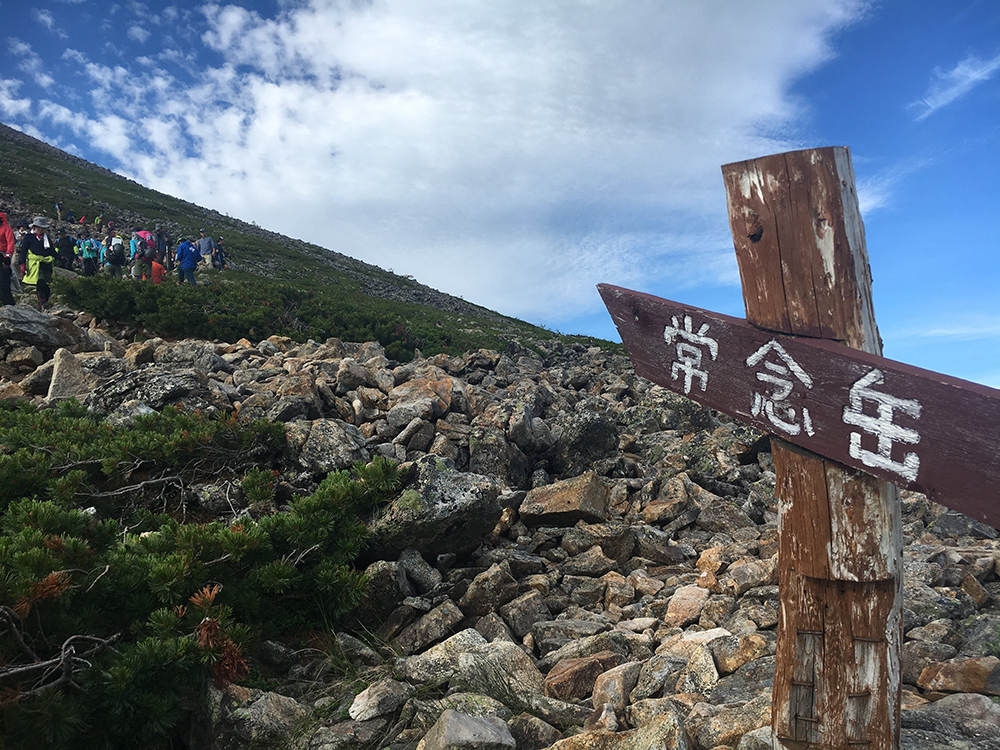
(800, 246)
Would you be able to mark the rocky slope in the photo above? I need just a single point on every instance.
(76, 173)
(579, 560)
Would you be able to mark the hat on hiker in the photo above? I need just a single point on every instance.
(40, 221)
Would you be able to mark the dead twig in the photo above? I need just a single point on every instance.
(134, 488)
(58, 670)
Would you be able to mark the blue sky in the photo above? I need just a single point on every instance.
(517, 154)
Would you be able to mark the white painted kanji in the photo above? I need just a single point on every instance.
(883, 426)
(779, 374)
(688, 345)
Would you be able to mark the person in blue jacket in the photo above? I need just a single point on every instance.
(187, 259)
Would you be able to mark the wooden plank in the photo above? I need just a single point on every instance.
(838, 637)
(918, 429)
(849, 515)
(800, 246)
(819, 252)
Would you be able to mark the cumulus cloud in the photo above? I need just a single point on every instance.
(10, 105)
(948, 85)
(138, 33)
(515, 158)
(74, 55)
(30, 62)
(44, 17)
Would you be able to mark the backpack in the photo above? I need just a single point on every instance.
(116, 254)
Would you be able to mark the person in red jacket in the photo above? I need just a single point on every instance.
(158, 272)
(8, 245)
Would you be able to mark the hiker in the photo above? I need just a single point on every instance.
(38, 253)
(70, 216)
(137, 255)
(7, 279)
(58, 208)
(65, 251)
(163, 253)
(158, 272)
(206, 247)
(8, 244)
(187, 259)
(219, 255)
(90, 253)
(114, 256)
(22, 229)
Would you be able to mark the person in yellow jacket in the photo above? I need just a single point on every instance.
(38, 252)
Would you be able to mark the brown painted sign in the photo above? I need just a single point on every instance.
(915, 428)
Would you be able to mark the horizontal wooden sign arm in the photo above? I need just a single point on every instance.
(918, 429)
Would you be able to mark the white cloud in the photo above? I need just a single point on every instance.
(10, 105)
(877, 191)
(44, 17)
(30, 62)
(959, 328)
(515, 158)
(74, 55)
(57, 113)
(138, 33)
(947, 86)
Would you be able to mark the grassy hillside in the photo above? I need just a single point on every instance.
(346, 297)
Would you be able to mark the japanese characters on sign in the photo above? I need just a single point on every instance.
(780, 375)
(882, 426)
(689, 345)
(780, 396)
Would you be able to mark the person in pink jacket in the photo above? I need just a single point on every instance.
(7, 242)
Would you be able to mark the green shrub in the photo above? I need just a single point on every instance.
(109, 620)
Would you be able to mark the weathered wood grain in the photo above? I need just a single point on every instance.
(818, 250)
(840, 636)
(957, 425)
(800, 246)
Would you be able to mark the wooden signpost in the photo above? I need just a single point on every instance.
(806, 367)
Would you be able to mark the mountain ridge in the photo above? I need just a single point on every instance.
(369, 278)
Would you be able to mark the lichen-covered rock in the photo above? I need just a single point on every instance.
(35, 328)
(573, 679)
(731, 724)
(977, 675)
(378, 699)
(442, 511)
(522, 613)
(244, 715)
(531, 733)
(440, 662)
(431, 628)
(582, 439)
(330, 445)
(153, 386)
(489, 591)
(68, 377)
(582, 498)
(456, 731)
(501, 670)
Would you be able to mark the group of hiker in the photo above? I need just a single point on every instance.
(29, 251)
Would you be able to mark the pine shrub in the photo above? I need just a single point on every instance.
(112, 611)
